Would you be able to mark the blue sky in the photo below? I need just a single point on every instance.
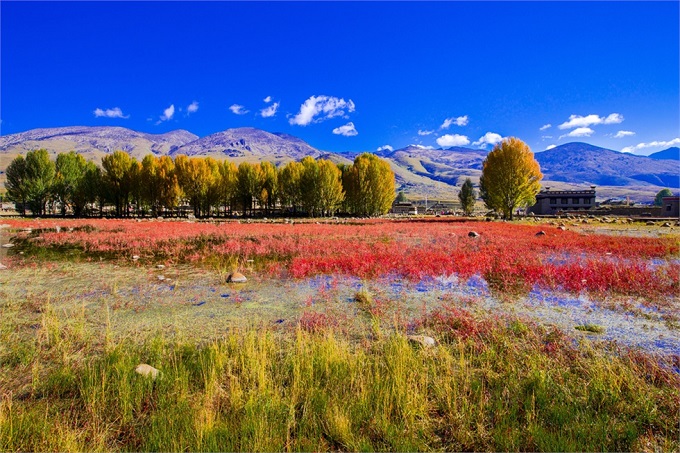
(350, 76)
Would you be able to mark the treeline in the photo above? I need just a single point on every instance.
(157, 186)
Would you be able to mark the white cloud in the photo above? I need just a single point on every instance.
(614, 118)
(115, 112)
(193, 107)
(269, 111)
(421, 146)
(347, 130)
(546, 136)
(425, 132)
(545, 126)
(448, 140)
(323, 107)
(238, 109)
(490, 138)
(621, 134)
(267, 99)
(579, 132)
(385, 148)
(550, 147)
(168, 113)
(654, 144)
(576, 121)
(460, 121)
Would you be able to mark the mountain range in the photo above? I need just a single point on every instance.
(419, 171)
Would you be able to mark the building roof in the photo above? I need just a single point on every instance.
(557, 193)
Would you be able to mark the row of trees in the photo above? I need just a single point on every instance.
(158, 185)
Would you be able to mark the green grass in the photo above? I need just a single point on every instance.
(592, 328)
(71, 386)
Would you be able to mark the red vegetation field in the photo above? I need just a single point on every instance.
(509, 256)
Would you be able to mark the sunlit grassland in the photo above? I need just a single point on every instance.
(507, 387)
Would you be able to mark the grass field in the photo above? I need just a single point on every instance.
(538, 338)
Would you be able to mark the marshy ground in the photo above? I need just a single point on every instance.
(312, 352)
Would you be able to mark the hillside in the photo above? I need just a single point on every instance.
(419, 171)
(247, 143)
(586, 164)
(667, 154)
(94, 141)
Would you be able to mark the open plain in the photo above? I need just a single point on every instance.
(349, 334)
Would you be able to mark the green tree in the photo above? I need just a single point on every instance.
(401, 197)
(467, 196)
(40, 172)
(658, 200)
(17, 184)
(70, 169)
(90, 190)
(369, 186)
(510, 177)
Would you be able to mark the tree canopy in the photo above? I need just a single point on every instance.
(658, 200)
(510, 177)
(157, 185)
(467, 196)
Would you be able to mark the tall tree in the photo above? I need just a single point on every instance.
(17, 184)
(90, 189)
(369, 185)
(70, 169)
(467, 196)
(248, 185)
(510, 177)
(290, 193)
(227, 184)
(329, 187)
(169, 191)
(270, 186)
(117, 178)
(658, 200)
(40, 172)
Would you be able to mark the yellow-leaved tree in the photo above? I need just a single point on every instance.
(510, 178)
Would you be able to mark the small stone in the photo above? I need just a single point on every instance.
(650, 223)
(540, 233)
(7, 246)
(473, 234)
(561, 227)
(161, 277)
(667, 224)
(147, 370)
(160, 266)
(237, 277)
(135, 257)
(2, 267)
(422, 340)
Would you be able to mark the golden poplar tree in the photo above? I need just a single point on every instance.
(510, 178)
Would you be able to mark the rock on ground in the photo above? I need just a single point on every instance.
(422, 340)
(236, 277)
(147, 370)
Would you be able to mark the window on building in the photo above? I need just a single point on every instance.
(565, 200)
(574, 201)
(668, 207)
(586, 201)
(553, 201)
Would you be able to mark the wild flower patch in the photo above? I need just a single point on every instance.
(510, 257)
